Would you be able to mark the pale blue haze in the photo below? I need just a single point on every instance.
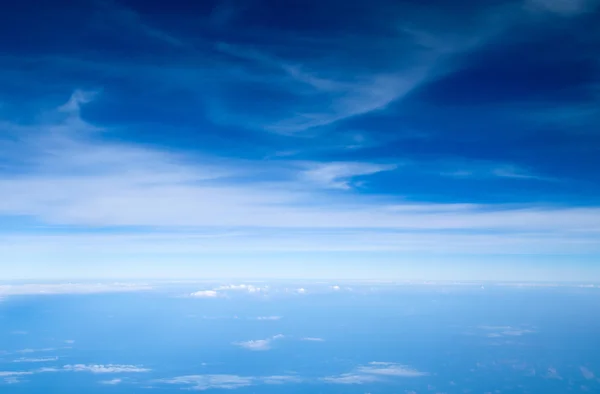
(252, 338)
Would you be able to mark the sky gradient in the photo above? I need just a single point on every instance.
(317, 139)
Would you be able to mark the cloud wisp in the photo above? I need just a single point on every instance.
(504, 331)
(12, 377)
(226, 381)
(259, 344)
(71, 288)
(375, 371)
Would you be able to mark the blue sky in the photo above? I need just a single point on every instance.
(382, 139)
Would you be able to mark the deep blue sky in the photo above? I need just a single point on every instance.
(426, 139)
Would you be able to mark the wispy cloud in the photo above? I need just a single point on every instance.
(104, 369)
(226, 381)
(12, 380)
(586, 373)
(71, 288)
(504, 331)
(390, 369)
(259, 344)
(13, 373)
(208, 382)
(71, 176)
(112, 382)
(562, 7)
(35, 360)
(373, 372)
(552, 373)
(31, 350)
(342, 97)
(341, 175)
(224, 289)
(312, 339)
(350, 378)
(241, 287)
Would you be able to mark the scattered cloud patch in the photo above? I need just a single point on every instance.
(312, 339)
(280, 379)
(268, 318)
(390, 369)
(12, 380)
(104, 369)
(227, 381)
(4, 374)
(259, 344)
(373, 372)
(504, 331)
(242, 287)
(552, 373)
(35, 360)
(29, 350)
(111, 382)
(589, 375)
(350, 378)
(205, 294)
(208, 382)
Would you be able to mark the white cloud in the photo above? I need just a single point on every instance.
(312, 339)
(242, 287)
(268, 318)
(505, 331)
(301, 290)
(339, 175)
(280, 379)
(205, 294)
(12, 380)
(336, 288)
(373, 372)
(35, 360)
(71, 288)
(104, 369)
(225, 381)
(258, 344)
(330, 99)
(29, 350)
(121, 184)
(390, 369)
(350, 378)
(4, 374)
(111, 382)
(208, 382)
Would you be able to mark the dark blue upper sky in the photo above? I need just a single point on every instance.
(474, 107)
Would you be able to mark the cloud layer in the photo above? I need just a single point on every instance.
(390, 129)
